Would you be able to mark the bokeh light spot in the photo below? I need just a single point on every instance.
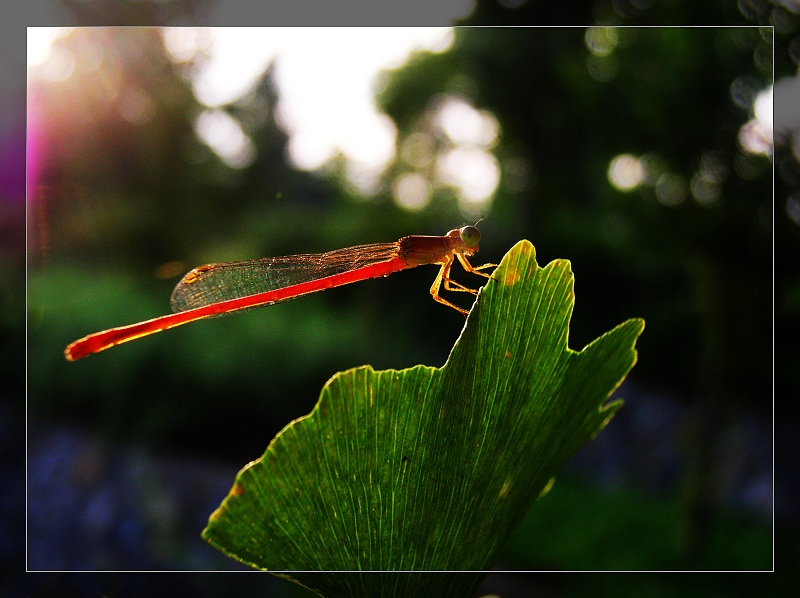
(518, 173)
(653, 166)
(411, 191)
(223, 135)
(602, 68)
(601, 41)
(743, 91)
(756, 135)
(793, 208)
(625, 172)
(705, 192)
(713, 167)
(465, 125)
(475, 173)
(182, 43)
(671, 189)
(58, 67)
(135, 105)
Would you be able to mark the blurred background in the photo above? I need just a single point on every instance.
(643, 155)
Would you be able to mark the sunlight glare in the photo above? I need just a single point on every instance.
(40, 41)
(44, 61)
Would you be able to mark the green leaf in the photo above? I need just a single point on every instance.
(430, 469)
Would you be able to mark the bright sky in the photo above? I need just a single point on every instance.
(325, 77)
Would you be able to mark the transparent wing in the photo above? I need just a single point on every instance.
(213, 283)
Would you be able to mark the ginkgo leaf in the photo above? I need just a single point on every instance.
(430, 469)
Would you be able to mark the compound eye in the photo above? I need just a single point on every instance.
(470, 235)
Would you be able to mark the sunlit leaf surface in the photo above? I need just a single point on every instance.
(431, 468)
